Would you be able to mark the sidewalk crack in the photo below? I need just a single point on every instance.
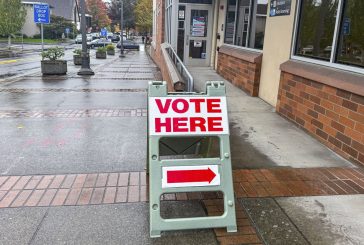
(38, 227)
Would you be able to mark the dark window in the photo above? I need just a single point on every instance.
(316, 28)
(245, 23)
(351, 39)
(325, 33)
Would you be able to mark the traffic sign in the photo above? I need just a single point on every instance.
(183, 176)
(188, 115)
(103, 32)
(67, 30)
(41, 13)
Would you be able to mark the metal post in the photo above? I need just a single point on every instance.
(122, 55)
(85, 67)
(41, 30)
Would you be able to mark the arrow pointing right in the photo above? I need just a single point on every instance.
(185, 176)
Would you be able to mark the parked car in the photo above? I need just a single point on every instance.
(128, 44)
(95, 35)
(115, 38)
(98, 43)
(88, 37)
(78, 38)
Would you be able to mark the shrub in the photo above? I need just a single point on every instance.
(53, 53)
(77, 51)
(101, 49)
(110, 47)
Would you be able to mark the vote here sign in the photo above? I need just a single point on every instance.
(188, 116)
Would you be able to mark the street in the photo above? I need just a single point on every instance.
(29, 61)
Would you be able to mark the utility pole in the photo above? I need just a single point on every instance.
(122, 55)
(85, 67)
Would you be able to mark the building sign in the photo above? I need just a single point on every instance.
(346, 26)
(181, 14)
(280, 7)
(198, 26)
(188, 115)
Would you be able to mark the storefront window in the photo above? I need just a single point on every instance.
(316, 28)
(351, 39)
(331, 30)
(245, 23)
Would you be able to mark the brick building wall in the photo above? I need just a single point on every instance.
(240, 67)
(332, 114)
(155, 49)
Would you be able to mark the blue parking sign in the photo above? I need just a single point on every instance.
(103, 32)
(41, 13)
(67, 30)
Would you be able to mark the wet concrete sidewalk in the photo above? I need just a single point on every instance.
(278, 152)
(64, 140)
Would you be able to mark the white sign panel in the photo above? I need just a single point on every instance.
(186, 176)
(188, 115)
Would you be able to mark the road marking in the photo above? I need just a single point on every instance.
(5, 62)
(8, 62)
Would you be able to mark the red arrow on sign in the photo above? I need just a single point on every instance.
(184, 176)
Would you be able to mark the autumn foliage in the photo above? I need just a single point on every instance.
(98, 10)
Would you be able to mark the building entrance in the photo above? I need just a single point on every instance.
(195, 41)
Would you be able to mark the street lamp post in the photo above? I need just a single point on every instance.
(85, 67)
(122, 55)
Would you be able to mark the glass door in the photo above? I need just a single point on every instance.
(197, 50)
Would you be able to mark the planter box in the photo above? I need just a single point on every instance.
(100, 55)
(111, 52)
(54, 67)
(77, 60)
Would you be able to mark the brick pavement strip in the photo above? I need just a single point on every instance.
(131, 187)
(85, 189)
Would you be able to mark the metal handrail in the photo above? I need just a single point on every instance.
(185, 74)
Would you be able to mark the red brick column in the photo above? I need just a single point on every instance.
(314, 98)
(240, 67)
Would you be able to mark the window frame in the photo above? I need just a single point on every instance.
(335, 42)
(252, 13)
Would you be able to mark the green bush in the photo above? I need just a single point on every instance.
(77, 51)
(101, 49)
(110, 47)
(53, 53)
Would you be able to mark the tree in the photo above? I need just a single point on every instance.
(144, 15)
(12, 17)
(129, 17)
(57, 27)
(98, 10)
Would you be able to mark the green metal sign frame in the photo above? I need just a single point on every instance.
(155, 165)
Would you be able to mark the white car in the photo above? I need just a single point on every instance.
(79, 38)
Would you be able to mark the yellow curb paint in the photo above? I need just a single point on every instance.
(8, 62)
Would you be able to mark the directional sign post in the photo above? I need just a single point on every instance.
(67, 31)
(185, 122)
(41, 16)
